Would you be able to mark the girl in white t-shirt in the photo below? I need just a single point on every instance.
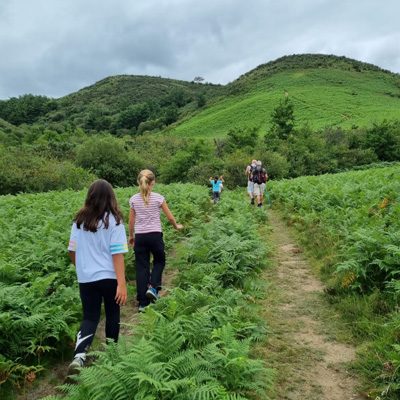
(145, 236)
(96, 247)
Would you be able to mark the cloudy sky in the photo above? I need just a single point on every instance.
(55, 47)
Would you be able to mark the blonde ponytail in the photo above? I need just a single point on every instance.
(145, 179)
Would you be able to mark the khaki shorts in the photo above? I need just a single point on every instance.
(259, 189)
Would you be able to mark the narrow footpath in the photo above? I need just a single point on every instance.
(311, 363)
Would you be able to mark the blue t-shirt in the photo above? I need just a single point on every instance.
(94, 250)
(215, 185)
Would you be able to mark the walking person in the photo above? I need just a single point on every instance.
(146, 237)
(96, 247)
(250, 184)
(217, 185)
(259, 177)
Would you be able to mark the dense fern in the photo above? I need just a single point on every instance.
(196, 342)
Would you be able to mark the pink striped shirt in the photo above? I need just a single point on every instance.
(147, 217)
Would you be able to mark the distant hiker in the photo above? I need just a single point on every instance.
(96, 247)
(259, 177)
(217, 185)
(250, 184)
(146, 237)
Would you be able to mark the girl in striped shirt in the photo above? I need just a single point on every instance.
(146, 237)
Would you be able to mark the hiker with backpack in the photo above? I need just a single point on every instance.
(250, 184)
(217, 185)
(259, 178)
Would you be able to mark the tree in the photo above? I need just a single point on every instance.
(201, 100)
(133, 116)
(198, 79)
(107, 157)
(26, 109)
(171, 115)
(282, 119)
(384, 140)
(240, 138)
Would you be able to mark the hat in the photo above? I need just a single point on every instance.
(258, 162)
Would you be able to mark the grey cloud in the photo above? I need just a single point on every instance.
(54, 47)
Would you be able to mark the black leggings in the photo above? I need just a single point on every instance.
(92, 295)
(146, 244)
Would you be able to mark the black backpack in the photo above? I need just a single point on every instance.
(259, 175)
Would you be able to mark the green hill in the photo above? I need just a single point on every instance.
(325, 90)
(113, 95)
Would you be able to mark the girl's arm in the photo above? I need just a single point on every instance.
(131, 240)
(169, 216)
(119, 267)
(72, 256)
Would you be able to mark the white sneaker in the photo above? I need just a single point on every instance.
(76, 364)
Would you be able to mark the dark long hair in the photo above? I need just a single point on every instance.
(100, 202)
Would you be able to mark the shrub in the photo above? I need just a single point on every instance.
(21, 171)
(234, 168)
(108, 158)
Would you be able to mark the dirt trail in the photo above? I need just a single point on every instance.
(47, 385)
(311, 364)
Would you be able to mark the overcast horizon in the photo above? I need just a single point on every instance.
(57, 47)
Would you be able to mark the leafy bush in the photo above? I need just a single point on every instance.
(384, 140)
(22, 171)
(177, 168)
(108, 158)
(26, 109)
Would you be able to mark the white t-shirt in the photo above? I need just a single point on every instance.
(94, 250)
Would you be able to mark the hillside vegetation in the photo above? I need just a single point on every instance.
(326, 91)
(301, 115)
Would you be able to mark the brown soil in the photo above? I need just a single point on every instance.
(311, 363)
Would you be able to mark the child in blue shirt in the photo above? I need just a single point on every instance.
(216, 187)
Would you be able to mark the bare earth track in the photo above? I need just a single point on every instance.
(311, 364)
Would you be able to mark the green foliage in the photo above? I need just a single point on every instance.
(325, 91)
(176, 97)
(170, 115)
(384, 140)
(133, 116)
(22, 171)
(196, 342)
(234, 168)
(176, 169)
(40, 306)
(282, 119)
(121, 103)
(241, 138)
(108, 159)
(26, 109)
